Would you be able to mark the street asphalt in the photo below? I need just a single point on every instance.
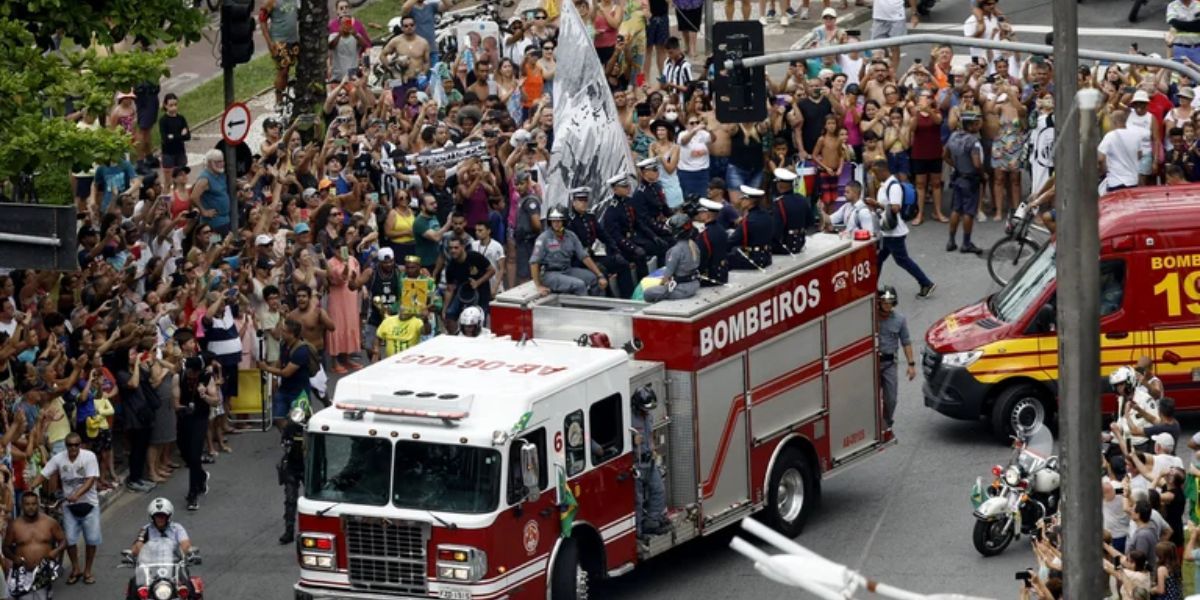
(903, 517)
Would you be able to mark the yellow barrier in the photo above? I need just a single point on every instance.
(250, 393)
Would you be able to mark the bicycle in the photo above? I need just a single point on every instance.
(1010, 252)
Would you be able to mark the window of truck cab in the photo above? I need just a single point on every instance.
(606, 421)
(1015, 300)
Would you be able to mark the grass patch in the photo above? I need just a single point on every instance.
(208, 100)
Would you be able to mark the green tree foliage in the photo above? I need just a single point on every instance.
(37, 83)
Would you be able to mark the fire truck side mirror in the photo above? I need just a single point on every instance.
(530, 467)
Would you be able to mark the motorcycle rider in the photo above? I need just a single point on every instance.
(1135, 407)
(291, 465)
(160, 527)
(651, 495)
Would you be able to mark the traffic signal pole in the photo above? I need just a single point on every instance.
(230, 155)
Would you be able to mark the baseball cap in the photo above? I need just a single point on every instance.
(300, 228)
(829, 12)
(1165, 440)
(325, 184)
(309, 193)
(263, 240)
(386, 254)
(1140, 96)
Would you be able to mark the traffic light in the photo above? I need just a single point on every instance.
(237, 32)
(740, 92)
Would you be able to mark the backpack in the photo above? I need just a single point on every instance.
(908, 203)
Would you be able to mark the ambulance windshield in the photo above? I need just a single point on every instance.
(1012, 302)
(425, 476)
(445, 477)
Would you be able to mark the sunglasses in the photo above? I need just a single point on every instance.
(547, 47)
(70, 445)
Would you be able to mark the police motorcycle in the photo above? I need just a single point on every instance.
(162, 572)
(1022, 493)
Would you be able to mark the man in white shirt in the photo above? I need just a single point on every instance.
(78, 470)
(861, 214)
(1184, 18)
(983, 24)
(890, 197)
(491, 250)
(888, 22)
(1119, 151)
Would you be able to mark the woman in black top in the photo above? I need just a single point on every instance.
(173, 130)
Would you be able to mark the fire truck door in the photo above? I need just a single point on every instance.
(721, 404)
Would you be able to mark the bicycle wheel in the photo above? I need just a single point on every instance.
(1008, 255)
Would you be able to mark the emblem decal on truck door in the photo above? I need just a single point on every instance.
(531, 537)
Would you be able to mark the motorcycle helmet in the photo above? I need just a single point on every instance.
(472, 318)
(887, 294)
(161, 506)
(1123, 375)
(680, 226)
(556, 213)
(395, 25)
(645, 398)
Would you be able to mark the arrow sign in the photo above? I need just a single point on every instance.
(235, 123)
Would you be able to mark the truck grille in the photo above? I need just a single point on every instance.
(386, 555)
(930, 362)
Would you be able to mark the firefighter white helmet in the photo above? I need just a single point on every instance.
(161, 506)
(1124, 375)
(471, 316)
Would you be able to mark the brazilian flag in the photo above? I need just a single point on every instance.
(649, 281)
(568, 507)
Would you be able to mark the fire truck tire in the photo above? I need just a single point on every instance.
(790, 493)
(568, 580)
(1020, 404)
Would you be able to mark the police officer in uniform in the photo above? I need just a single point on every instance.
(651, 494)
(964, 152)
(714, 244)
(680, 274)
(587, 228)
(650, 204)
(893, 336)
(751, 238)
(792, 213)
(621, 224)
(291, 466)
(554, 253)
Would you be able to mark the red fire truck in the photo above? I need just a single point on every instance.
(454, 469)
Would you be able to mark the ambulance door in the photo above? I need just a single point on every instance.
(723, 431)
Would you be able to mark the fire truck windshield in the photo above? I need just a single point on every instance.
(445, 477)
(425, 476)
(1012, 302)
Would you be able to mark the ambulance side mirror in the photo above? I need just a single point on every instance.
(530, 468)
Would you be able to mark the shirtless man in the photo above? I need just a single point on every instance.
(480, 87)
(877, 82)
(720, 147)
(408, 45)
(313, 319)
(34, 542)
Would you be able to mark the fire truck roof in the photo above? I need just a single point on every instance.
(478, 385)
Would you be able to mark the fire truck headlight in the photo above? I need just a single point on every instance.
(961, 359)
(461, 563)
(318, 551)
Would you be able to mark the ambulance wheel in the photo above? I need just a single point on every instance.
(790, 492)
(1018, 407)
(568, 580)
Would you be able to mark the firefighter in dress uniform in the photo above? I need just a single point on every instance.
(751, 237)
(680, 278)
(291, 465)
(620, 223)
(793, 214)
(587, 228)
(650, 204)
(651, 494)
(713, 241)
(554, 253)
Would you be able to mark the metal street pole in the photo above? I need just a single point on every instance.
(708, 26)
(1078, 319)
(230, 155)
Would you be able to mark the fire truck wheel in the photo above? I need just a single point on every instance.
(790, 492)
(1018, 406)
(568, 580)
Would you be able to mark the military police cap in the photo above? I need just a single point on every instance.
(752, 192)
(648, 163)
(619, 179)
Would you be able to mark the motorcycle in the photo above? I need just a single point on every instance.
(162, 572)
(1022, 493)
